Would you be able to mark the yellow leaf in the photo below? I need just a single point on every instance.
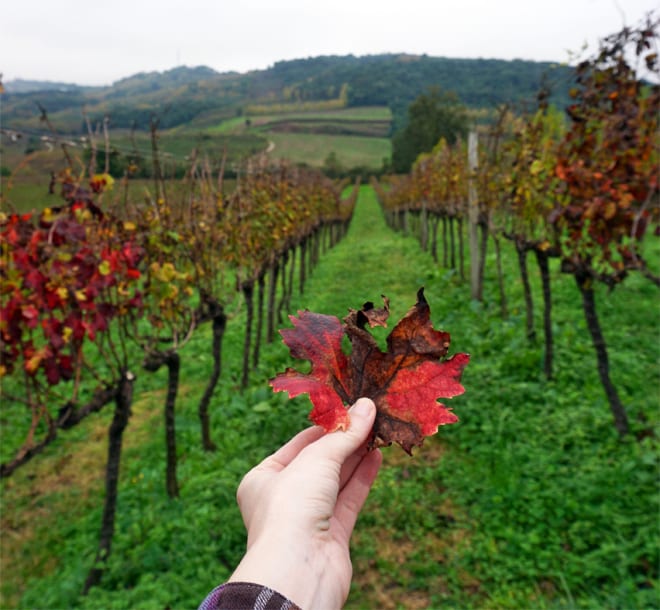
(167, 273)
(626, 201)
(536, 167)
(33, 363)
(610, 210)
(129, 226)
(106, 180)
(47, 215)
(104, 268)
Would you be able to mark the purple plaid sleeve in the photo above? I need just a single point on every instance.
(245, 596)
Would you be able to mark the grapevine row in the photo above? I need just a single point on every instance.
(583, 187)
(102, 285)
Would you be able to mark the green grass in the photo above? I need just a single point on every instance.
(228, 126)
(530, 501)
(356, 135)
(29, 197)
(346, 115)
(313, 149)
(177, 145)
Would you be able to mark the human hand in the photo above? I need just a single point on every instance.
(300, 506)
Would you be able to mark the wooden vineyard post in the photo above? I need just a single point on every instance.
(473, 216)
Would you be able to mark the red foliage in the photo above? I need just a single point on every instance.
(64, 275)
(608, 161)
(404, 381)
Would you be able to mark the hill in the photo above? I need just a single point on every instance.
(201, 95)
(337, 112)
(22, 85)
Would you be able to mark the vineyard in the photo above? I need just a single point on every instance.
(139, 334)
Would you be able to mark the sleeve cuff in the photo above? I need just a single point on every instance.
(246, 596)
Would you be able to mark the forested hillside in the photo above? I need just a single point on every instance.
(204, 97)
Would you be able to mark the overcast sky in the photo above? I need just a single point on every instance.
(97, 43)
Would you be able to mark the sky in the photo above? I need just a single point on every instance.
(98, 43)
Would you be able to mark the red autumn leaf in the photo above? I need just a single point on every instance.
(52, 371)
(404, 382)
(317, 338)
(31, 315)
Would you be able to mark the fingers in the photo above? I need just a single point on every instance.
(285, 454)
(355, 492)
(338, 446)
(276, 462)
(333, 465)
(349, 466)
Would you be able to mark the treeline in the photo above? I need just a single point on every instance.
(396, 80)
(192, 93)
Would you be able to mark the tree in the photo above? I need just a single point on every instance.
(433, 115)
(332, 166)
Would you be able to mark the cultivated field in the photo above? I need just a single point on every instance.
(530, 501)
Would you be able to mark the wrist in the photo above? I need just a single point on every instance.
(290, 569)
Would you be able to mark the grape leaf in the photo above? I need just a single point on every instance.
(404, 382)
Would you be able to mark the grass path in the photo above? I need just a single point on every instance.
(373, 260)
(369, 261)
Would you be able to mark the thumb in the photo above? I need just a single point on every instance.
(362, 415)
(340, 444)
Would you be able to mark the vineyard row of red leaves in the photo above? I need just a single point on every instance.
(79, 275)
(588, 189)
(583, 187)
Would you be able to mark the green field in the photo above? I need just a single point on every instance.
(357, 114)
(312, 149)
(359, 138)
(531, 501)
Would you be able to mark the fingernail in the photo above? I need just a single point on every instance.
(362, 407)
